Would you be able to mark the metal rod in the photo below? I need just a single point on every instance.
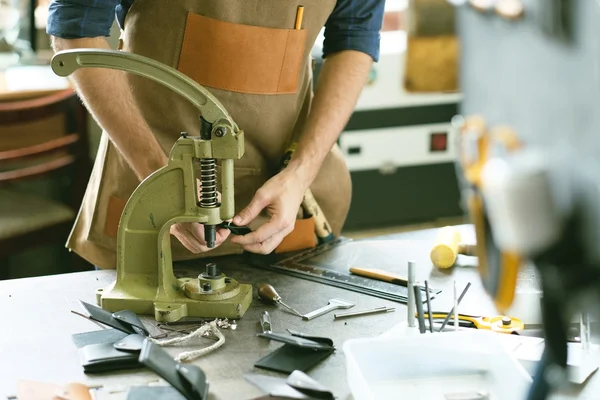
(584, 331)
(428, 299)
(363, 312)
(457, 303)
(289, 308)
(419, 304)
(411, 296)
(455, 309)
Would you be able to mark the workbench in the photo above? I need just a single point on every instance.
(36, 342)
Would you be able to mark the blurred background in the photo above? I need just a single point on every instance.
(398, 145)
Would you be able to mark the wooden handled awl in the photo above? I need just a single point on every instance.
(447, 246)
(380, 275)
(268, 292)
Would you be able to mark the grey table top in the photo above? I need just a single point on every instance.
(36, 342)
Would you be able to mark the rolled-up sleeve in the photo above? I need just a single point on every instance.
(354, 25)
(74, 19)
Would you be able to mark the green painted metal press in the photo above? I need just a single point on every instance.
(145, 281)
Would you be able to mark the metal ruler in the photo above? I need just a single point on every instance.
(304, 265)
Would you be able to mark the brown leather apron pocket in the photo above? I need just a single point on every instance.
(302, 237)
(241, 58)
(114, 210)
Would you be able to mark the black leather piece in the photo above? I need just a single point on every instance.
(106, 318)
(98, 337)
(154, 393)
(104, 357)
(132, 319)
(275, 387)
(305, 384)
(189, 380)
(235, 229)
(296, 341)
(318, 339)
(289, 358)
(130, 343)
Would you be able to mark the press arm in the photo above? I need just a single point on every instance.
(66, 62)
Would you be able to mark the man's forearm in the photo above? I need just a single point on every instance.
(341, 81)
(107, 96)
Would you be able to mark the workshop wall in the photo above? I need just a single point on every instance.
(49, 260)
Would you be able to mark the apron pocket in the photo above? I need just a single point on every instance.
(114, 210)
(302, 237)
(241, 58)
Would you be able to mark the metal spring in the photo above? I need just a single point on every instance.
(208, 180)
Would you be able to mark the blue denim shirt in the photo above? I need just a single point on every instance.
(353, 24)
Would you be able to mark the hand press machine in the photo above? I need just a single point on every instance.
(145, 282)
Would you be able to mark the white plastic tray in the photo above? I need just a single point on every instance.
(430, 366)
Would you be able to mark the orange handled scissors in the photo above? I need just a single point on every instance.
(498, 323)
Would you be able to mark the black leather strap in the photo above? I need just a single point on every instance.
(189, 380)
(126, 322)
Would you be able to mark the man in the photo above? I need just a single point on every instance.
(253, 58)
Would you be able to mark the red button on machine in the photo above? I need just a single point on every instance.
(438, 141)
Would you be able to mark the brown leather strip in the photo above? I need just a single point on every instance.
(241, 58)
(302, 237)
(113, 215)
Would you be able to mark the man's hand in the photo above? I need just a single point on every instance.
(191, 235)
(281, 196)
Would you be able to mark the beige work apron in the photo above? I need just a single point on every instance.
(248, 54)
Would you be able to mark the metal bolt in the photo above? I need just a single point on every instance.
(506, 321)
(220, 132)
(206, 287)
(211, 269)
(184, 134)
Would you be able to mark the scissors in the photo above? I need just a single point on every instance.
(497, 323)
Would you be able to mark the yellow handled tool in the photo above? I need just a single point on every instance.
(380, 275)
(447, 246)
(498, 323)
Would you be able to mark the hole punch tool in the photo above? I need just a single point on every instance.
(145, 282)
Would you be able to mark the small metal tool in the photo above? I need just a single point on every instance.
(363, 312)
(428, 299)
(451, 313)
(268, 292)
(333, 304)
(455, 308)
(585, 334)
(411, 294)
(265, 322)
(420, 313)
